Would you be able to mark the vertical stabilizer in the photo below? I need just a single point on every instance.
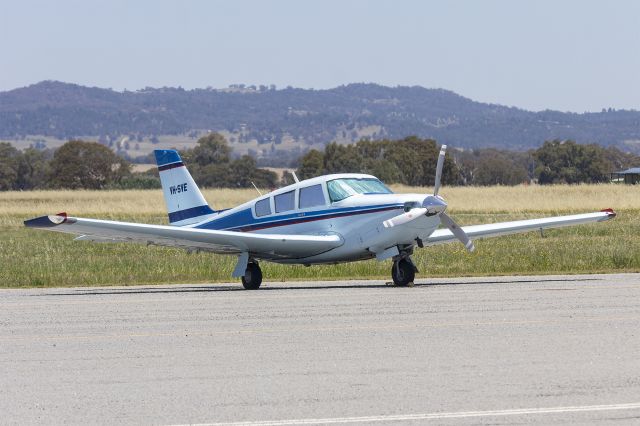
(185, 202)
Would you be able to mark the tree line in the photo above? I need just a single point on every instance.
(411, 161)
(89, 165)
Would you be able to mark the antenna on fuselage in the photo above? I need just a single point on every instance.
(254, 185)
(293, 173)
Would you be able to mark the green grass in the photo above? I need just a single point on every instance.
(33, 258)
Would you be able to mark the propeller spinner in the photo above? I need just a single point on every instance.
(434, 205)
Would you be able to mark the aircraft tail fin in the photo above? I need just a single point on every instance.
(185, 203)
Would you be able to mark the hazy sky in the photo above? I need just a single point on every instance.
(566, 55)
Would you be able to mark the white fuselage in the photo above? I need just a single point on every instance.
(357, 219)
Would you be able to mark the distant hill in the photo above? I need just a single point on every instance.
(300, 117)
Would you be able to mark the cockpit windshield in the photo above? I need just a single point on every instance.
(339, 189)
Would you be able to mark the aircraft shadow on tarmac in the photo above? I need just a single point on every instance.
(229, 288)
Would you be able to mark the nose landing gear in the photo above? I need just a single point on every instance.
(403, 271)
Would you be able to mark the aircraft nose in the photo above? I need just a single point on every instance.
(434, 204)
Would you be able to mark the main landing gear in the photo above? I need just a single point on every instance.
(252, 277)
(403, 271)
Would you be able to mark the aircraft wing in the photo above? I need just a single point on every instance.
(440, 236)
(266, 246)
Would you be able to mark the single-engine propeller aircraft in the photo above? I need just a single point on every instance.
(324, 220)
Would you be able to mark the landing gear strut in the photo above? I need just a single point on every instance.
(252, 277)
(403, 272)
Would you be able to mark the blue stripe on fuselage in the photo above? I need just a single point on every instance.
(244, 221)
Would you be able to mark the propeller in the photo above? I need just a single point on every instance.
(430, 206)
(434, 205)
(455, 229)
(405, 217)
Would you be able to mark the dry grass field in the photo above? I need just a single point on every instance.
(494, 199)
(39, 258)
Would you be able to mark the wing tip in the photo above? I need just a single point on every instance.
(610, 213)
(48, 221)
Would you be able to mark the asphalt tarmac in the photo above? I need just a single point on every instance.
(507, 350)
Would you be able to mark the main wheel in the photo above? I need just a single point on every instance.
(402, 273)
(252, 277)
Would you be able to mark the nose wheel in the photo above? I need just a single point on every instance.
(252, 277)
(403, 272)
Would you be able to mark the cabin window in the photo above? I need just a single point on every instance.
(339, 189)
(263, 207)
(311, 196)
(285, 202)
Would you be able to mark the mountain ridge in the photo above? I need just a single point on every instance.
(307, 116)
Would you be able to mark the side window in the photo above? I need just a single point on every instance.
(311, 196)
(285, 201)
(263, 207)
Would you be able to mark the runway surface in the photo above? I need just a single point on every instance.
(507, 350)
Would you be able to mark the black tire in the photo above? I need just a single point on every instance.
(252, 277)
(403, 273)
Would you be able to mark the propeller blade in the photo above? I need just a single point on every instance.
(443, 150)
(405, 217)
(457, 231)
